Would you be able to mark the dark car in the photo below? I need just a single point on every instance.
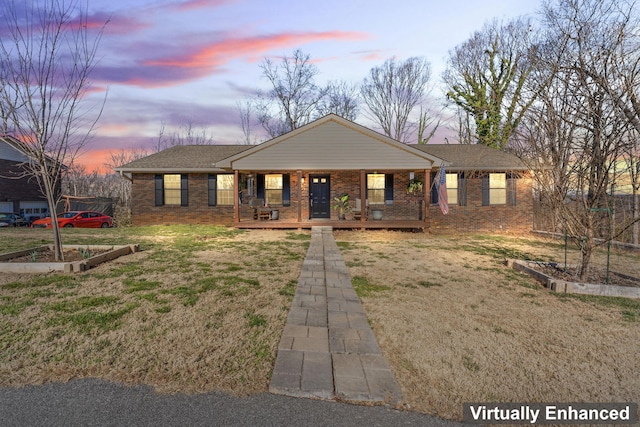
(82, 219)
(12, 219)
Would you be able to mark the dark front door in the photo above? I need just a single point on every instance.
(319, 200)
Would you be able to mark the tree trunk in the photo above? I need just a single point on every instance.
(586, 249)
(636, 224)
(51, 201)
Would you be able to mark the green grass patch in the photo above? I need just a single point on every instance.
(152, 297)
(289, 290)
(60, 281)
(137, 285)
(92, 321)
(189, 295)
(255, 320)
(14, 306)
(629, 308)
(306, 237)
(428, 284)
(470, 364)
(82, 303)
(364, 288)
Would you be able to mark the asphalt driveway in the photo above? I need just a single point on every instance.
(94, 402)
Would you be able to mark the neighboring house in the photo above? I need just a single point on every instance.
(298, 175)
(19, 192)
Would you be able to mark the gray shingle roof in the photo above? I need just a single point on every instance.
(201, 158)
(184, 158)
(473, 157)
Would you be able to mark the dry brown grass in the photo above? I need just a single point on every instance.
(182, 316)
(457, 326)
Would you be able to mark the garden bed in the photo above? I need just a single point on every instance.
(558, 278)
(77, 258)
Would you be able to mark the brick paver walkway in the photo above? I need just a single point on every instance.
(328, 349)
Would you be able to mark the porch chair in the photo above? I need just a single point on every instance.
(357, 211)
(259, 211)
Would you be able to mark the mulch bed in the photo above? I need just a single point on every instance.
(597, 275)
(47, 255)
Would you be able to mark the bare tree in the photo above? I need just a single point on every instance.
(121, 187)
(294, 97)
(486, 77)
(186, 134)
(393, 90)
(341, 98)
(246, 110)
(47, 53)
(574, 136)
(427, 121)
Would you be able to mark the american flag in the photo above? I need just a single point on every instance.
(441, 182)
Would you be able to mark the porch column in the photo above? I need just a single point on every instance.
(363, 195)
(299, 175)
(236, 199)
(427, 195)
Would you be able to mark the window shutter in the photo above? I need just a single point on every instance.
(213, 189)
(511, 189)
(485, 191)
(184, 190)
(462, 190)
(286, 189)
(260, 186)
(388, 188)
(159, 186)
(434, 189)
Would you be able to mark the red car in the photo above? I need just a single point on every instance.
(82, 219)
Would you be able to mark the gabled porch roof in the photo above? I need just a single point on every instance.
(331, 143)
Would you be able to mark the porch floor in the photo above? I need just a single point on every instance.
(336, 224)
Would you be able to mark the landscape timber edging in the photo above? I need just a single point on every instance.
(558, 285)
(113, 252)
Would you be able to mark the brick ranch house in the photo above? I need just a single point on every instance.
(19, 193)
(297, 176)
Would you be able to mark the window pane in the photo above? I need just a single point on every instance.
(375, 196)
(498, 196)
(375, 181)
(273, 197)
(225, 182)
(273, 182)
(225, 197)
(172, 189)
(497, 180)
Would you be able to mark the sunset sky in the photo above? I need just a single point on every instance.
(193, 60)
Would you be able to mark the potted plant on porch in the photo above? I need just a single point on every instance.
(342, 205)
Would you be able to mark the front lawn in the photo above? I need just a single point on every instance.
(199, 308)
(456, 325)
(202, 308)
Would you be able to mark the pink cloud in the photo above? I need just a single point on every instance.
(222, 52)
(206, 59)
(200, 4)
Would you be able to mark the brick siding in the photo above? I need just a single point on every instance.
(470, 218)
